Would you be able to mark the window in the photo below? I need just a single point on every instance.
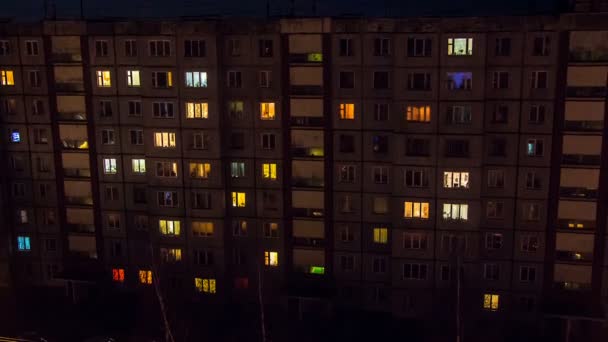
(418, 113)
(134, 108)
(495, 209)
(502, 47)
(166, 169)
(458, 114)
(34, 78)
(378, 265)
(347, 111)
(138, 166)
(490, 301)
(169, 227)
(540, 46)
(162, 79)
(271, 258)
(419, 47)
(164, 139)
(163, 110)
(533, 180)
(234, 47)
(534, 148)
(23, 244)
(205, 285)
(37, 107)
(531, 211)
(200, 141)
(101, 48)
(109, 166)
(238, 199)
(136, 136)
(460, 80)
(118, 275)
(380, 235)
(145, 277)
(203, 257)
(170, 255)
(416, 179)
(496, 178)
(529, 243)
(130, 48)
(500, 80)
(5, 48)
(456, 148)
(7, 78)
(268, 141)
(347, 263)
(48, 216)
(133, 79)
(267, 111)
(201, 200)
(43, 190)
(445, 273)
(500, 114)
(17, 163)
(493, 240)
(380, 174)
(347, 174)
(50, 245)
(381, 111)
(270, 200)
(237, 140)
(31, 48)
(345, 47)
(539, 80)
(380, 144)
(537, 114)
(347, 80)
(18, 189)
(199, 170)
(346, 143)
(237, 169)
(105, 108)
(382, 47)
(418, 210)
(107, 137)
(235, 79)
(140, 195)
(527, 274)
(269, 171)
(419, 81)
(239, 228)
(8, 106)
(196, 79)
(265, 46)
(414, 271)
(346, 234)
(202, 229)
(41, 136)
(414, 241)
(455, 212)
(159, 48)
(455, 180)
(381, 80)
(235, 109)
(167, 199)
(104, 79)
(346, 203)
(15, 135)
(460, 46)
(491, 272)
(194, 48)
(271, 230)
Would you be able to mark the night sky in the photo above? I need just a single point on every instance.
(33, 9)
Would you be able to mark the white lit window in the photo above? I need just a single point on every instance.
(237, 169)
(109, 166)
(460, 46)
(455, 180)
(455, 211)
(196, 79)
(138, 166)
(133, 79)
(271, 258)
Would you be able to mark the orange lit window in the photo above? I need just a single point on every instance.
(267, 111)
(490, 301)
(418, 113)
(347, 111)
(7, 78)
(271, 258)
(205, 285)
(118, 274)
(145, 277)
(416, 210)
(103, 78)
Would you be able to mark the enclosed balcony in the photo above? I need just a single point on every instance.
(80, 220)
(572, 277)
(81, 246)
(66, 49)
(76, 165)
(579, 183)
(574, 247)
(581, 150)
(309, 261)
(587, 82)
(307, 174)
(78, 192)
(71, 108)
(308, 203)
(305, 48)
(309, 233)
(74, 137)
(307, 143)
(69, 79)
(306, 112)
(573, 214)
(307, 81)
(588, 46)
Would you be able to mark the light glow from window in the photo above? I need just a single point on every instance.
(238, 199)
(347, 111)
(416, 210)
(271, 258)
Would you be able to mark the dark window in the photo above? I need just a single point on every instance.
(347, 79)
(419, 81)
(235, 79)
(418, 147)
(503, 47)
(134, 108)
(237, 141)
(195, 48)
(537, 114)
(500, 80)
(101, 48)
(265, 48)
(457, 148)
(201, 200)
(347, 143)
(500, 114)
(139, 195)
(380, 143)
(130, 48)
(105, 109)
(419, 47)
(346, 47)
(380, 79)
(541, 46)
(380, 111)
(416, 179)
(382, 47)
(498, 147)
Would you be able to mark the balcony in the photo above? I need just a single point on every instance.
(75, 144)
(69, 86)
(312, 152)
(313, 57)
(568, 224)
(306, 90)
(307, 121)
(581, 159)
(79, 200)
(77, 172)
(571, 286)
(593, 92)
(588, 56)
(584, 125)
(307, 212)
(309, 242)
(574, 256)
(308, 182)
(66, 57)
(72, 116)
(81, 228)
(310, 269)
(574, 192)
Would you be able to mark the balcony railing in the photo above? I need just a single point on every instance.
(307, 151)
(583, 125)
(588, 56)
(79, 200)
(309, 242)
(569, 224)
(580, 159)
(66, 57)
(573, 256)
(72, 116)
(310, 269)
(313, 57)
(312, 182)
(586, 92)
(77, 172)
(80, 228)
(571, 286)
(75, 144)
(575, 192)
(69, 86)
(307, 121)
(306, 90)
(307, 212)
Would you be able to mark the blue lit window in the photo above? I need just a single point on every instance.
(460, 80)
(15, 136)
(23, 243)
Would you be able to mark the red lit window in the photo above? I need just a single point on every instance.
(118, 274)
(241, 283)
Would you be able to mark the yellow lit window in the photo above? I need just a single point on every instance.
(103, 78)
(416, 210)
(169, 79)
(238, 199)
(269, 171)
(145, 277)
(271, 258)
(205, 285)
(202, 229)
(197, 110)
(164, 139)
(200, 170)
(347, 111)
(133, 79)
(7, 78)
(171, 254)
(169, 227)
(490, 301)
(267, 111)
(418, 113)
(381, 235)
(118, 275)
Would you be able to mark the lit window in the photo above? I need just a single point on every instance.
(202, 229)
(418, 113)
(237, 169)
(15, 136)
(271, 258)
(109, 166)
(145, 277)
(238, 199)
(267, 111)
(166, 169)
(204, 285)
(118, 275)
(490, 301)
(416, 210)
(139, 166)
(197, 110)
(271, 230)
(381, 235)
(23, 243)
(167, 199)
(196, 79)
(164, 139)
(7, 78)
(347, 111)
(200, 170)
(460, 80)
(162, 79)
(460, 46)
(170, 254)
(169, 227)
(453, 211)
(269, 171)
(133, 79)
(103, 78)
(456, 180)
(534, 147)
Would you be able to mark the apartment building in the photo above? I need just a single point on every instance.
(353, 162)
